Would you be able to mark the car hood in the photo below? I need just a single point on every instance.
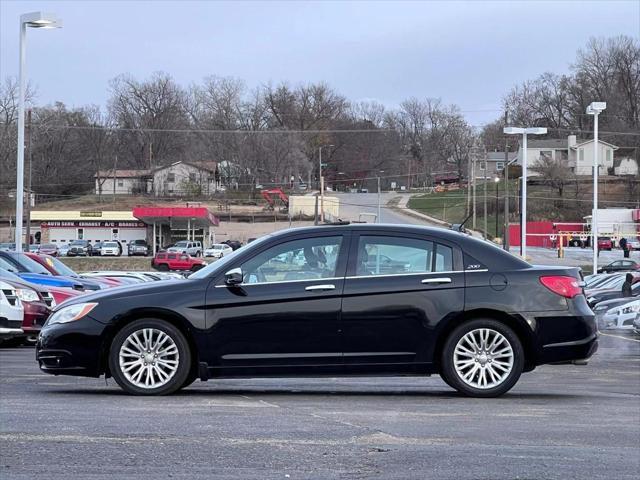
(127, 291)
(48, 280)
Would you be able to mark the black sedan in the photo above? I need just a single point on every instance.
(620, 266)
(322, 301)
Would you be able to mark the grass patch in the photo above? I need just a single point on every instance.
(452, 207)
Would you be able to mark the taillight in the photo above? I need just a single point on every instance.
(564, 286)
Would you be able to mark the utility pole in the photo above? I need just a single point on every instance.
(28, 205)
(473, 222)
(505, 239)
(115, 166)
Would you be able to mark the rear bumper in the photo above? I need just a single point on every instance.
(577, 351)
(567, 336)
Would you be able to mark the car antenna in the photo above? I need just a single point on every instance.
(459, 227)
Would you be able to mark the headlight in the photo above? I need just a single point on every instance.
(27, 295)
(71, 313)
(632, 309)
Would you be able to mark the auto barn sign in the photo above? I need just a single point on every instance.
(90, 224)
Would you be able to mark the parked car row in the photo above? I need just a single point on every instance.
(33, 284)
(614, 298)
(84, 248)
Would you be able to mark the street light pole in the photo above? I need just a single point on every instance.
(497, 182)
(595, 108)
(33, 20)
(321, 180)
(484, 207)
(523, 222)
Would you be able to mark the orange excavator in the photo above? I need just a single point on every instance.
(268, 196)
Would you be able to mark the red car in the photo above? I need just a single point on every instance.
(36, 301)
(604, 243)
(61, 294)
(165, 261)
(48, 249)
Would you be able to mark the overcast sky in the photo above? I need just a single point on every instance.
(468, 53)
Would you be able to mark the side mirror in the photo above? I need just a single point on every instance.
(234, 276)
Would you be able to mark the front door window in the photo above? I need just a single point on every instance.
(305, 259)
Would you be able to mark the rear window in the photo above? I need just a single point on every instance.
(161, 256)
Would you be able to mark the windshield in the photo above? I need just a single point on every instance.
(220, 265)
(109, 244)
(181, 244)
(48, 246)
(31, 265)
(60, 267)
(5, 265)
(77, 242)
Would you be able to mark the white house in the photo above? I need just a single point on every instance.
(577, 156)
(494, 163)
(122, 182)
(178, 178)
(186, 178)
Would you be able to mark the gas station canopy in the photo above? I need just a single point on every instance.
(177, 217)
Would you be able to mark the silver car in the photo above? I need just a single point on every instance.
(190, 247)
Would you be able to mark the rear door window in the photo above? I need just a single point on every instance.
(381, 255)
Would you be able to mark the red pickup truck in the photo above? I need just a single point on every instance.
(165, 261)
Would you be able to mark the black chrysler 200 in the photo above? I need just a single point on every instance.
(332, 300)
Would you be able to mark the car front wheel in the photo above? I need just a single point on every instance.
(482, 358)
(150, 357)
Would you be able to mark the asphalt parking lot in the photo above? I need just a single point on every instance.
(559, 422)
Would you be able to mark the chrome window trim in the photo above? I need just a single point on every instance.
(413, 274)
(282, 281)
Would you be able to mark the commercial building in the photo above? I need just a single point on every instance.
(159, 226)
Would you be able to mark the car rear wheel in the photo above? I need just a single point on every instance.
(482, 358)
(150, 357)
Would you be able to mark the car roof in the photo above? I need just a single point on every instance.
(482, 250)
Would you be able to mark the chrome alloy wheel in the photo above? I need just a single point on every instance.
(149, 358)
(483, 358)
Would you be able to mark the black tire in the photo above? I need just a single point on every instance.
(163, 267)
(179, 378)
(193, 376)
(451, 376)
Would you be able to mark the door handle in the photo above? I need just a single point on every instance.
(313, 288)
(437, 280)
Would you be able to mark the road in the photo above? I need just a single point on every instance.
(560, 422)
(352, 205)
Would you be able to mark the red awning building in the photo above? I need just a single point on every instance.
(170, 224)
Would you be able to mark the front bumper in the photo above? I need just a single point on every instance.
(74, 348)
(7, 333)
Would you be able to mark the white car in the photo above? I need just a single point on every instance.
(218, 250)
(111, 249)
(190, 247)
(633, 244)
(11, 312)
(622, 317)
